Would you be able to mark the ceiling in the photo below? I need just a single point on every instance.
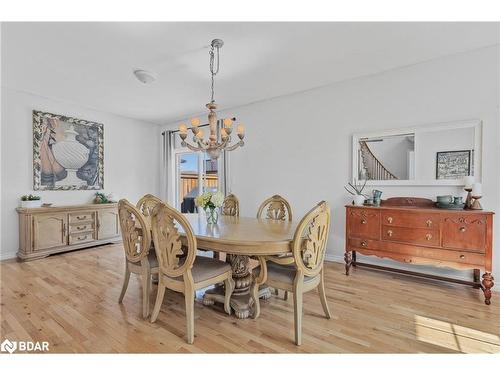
(91, 64)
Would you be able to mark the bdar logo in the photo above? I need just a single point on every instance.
(8, 346)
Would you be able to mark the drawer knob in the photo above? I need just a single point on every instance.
(462, 256)
(429, 223)
(389, 233)
(363, 221)
(82, 237)
(81, 217)
(82, 227)
(462, 229)
(389, 220)
(363, 243)
(428, 236)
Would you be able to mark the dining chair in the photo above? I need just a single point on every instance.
(136, 235)
(184, 275)
(231, 206)
(276, 208)
(306, 272)
(146, 205)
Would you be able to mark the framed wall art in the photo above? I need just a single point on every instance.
(452, 165)
(68, 153)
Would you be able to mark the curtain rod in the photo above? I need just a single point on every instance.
(200, 126)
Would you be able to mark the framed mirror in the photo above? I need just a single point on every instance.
(438, 154)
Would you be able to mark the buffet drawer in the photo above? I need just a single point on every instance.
(467, 232)
(364, 223)
(81, 237)
(416, 236)
(81, 217)
(411, 219)
(359, 243)
(81, 227)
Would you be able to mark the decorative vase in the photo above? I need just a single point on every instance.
(31, 204)
(72, 155)
(359, 200)
(212, 215)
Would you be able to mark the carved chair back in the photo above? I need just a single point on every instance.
(136, 232)
(309, 241)
(174, 259)
(146, 205)
(231, 206)
(276, 208)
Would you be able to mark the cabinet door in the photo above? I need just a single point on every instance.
(108, 224)
(49, 231)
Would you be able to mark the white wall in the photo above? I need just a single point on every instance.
(131, 158)
(300, 145)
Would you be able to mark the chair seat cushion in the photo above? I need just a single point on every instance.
(281, 273)
(205, 268)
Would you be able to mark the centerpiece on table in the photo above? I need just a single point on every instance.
(210, 202)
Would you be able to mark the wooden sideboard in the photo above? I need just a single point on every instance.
(49, 230)
(412, 230)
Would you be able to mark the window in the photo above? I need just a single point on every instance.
(193, 170)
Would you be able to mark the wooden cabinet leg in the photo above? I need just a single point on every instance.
(487, 285)
(477, 275)
(354, 259)
(348, 261)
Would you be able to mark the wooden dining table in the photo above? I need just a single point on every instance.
(242, 238)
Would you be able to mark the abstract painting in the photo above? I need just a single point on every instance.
(68, 153)
(452, 165)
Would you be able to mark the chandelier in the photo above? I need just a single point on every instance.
(215, 142)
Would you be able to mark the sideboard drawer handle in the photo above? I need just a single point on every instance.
(462, 256)
(81, 217)
(82, 238)
(82, 227)
(389, 220)
(462, 229)
(429, 223)
(428, 236)
(363, 243)
(363, 221)
(407, 260)
(389, 233)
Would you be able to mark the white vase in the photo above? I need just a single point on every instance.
(72, 155)
(31, 204)
(359, 200)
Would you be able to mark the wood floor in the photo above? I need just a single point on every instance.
(70, 300)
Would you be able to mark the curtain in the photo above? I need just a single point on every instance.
(223, 167)
(166, 192)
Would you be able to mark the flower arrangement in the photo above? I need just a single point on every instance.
(356, 190)
(30, 201)
(30, 197)
(210, 201)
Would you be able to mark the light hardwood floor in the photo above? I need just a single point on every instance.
(70, 300)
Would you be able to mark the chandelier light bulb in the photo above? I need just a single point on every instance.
(195, 121)
(200, 134)
(228, 122)
(240, 129)
(183, 128)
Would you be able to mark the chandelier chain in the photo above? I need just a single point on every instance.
(212, 70)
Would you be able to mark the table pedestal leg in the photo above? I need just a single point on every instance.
(241, 301)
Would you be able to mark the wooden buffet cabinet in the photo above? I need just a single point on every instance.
(412, 230)
(49, 230)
